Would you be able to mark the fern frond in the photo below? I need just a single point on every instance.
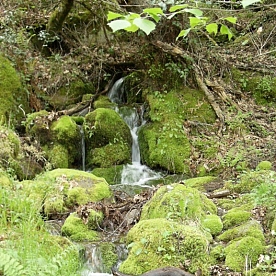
(9, 266)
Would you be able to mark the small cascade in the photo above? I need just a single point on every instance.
(134, 173)
(82, 144)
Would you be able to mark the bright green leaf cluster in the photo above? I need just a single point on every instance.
(146, 21)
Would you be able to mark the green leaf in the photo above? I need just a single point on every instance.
(246, 3)
(195, 12)
(119, 24)
(113, 15)
(138, 251)
(212, 28)
(144, 24)
(178, 7)
(133, 28)
(194, 21)
(155, 11)
(132, 16)
(225, 30)
(183, 33)
(231, 19)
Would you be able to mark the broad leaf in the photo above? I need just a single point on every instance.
(132, 16)
(246, 3)
(231, 19)
(133, 28)
(144, 24)
(119, 24)
(195, 12)
(155, 11)
(212, 28)
(113, 15)
(194, 21)
(178, 7)
(225, 30)
(183, 33)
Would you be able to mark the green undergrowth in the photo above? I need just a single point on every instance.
(26, 247)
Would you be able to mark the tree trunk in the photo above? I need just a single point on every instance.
(58, 16)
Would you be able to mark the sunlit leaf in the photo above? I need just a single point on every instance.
(155, 11)
(225, 30)
(212, 28)
(132, 16)
(231, 19)
(113, 15)
(194, 21)
(144, 24)
(178, 7)
(246, 3)
(195, 12)
(133, 28)
(138, 251)
(119, 24)
(183, 33)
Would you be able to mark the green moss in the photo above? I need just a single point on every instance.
(12, 93)
(54, 204)
(251, 228)
(156, 243)
(178, 202)
(65, 130)
(77, 196)
(245, 250)
(112, 174)
(105, 128)
(110, 155)
(264, 165)
(235, 217)
(217, 253)
(58, 156)
(161, 148)
(199, 182)
(76, 186)
(103, 102)
(94, 219)
(213, 224)
(75, 229)
(108, 254)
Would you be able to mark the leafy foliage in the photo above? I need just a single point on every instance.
(133, 22)
(9, 266)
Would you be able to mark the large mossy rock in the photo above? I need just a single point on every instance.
(156, 243)
(178, 202)
(62, 189)
(60, 138)
(108, 139)
(163, 141)
(12, 94)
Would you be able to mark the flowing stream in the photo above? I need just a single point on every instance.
(132, 174)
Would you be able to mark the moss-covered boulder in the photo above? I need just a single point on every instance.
(156, 243)
(62, 189)
(235, 217)
(178, 202)
(264, 165)
(59, 137)
(163, 141)
(213, 224)
(69, 94)
(112, 174)
(244, 253)
(250, 228)
(103, 102)
(75, 228)
(12, 94)
(109, 255)
(108, 138)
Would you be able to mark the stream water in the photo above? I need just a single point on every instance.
(134, 174)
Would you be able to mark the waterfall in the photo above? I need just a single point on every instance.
(82, 144)
(134, 173)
